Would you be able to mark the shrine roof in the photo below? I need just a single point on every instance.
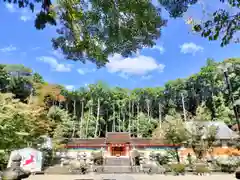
(146, 141)
(118, 137)
(93, 141)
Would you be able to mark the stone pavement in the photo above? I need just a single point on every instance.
(132, 177)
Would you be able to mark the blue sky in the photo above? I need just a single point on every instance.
(178, 54)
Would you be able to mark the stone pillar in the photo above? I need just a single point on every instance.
(109, 150)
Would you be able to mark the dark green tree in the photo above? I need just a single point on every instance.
(94, 30)
(223, 25)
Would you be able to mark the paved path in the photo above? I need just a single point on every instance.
(132, 177)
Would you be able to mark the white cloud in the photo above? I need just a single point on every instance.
(55, 65)
(190, 48)
(69, 87)
(8, 49)
(80, 71)
(10, 7)
(139, 65)
(83, 71)
(25, 18)
(58, 54)
(25, 15)
(160, 48)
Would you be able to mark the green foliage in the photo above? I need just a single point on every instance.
(4, 79)
(203, 113)
(201, 169)
(37, 78)
(92, 31)
(20, 125)
(63, 122)
(175, 131)
(145, 125)
(88, 125)
(221, 25)
(17, 68)
(106, 28)
(97, 109)
(229, 164)
(202, 138)
(178, 168)
(162, 159)
(222, 112)
(97, 158)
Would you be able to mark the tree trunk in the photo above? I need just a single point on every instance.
(129, 116)
(177, 155)
(119, 121)
(148, 110)
(89, 115)
(160, 115)
(137, 124)
(114, 119)
(106, 124)
(184, 110)
(66, 106)
(74, 114)
(123, 122)
(82, 117)
(30, 97)
(97, 120)
(133, 122)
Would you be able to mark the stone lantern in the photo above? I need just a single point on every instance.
(15, 172)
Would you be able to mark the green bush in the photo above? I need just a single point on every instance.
(97, 158)
(228, 165)
(178, 168)
(201, 169)
(3, 160)
(162, 159)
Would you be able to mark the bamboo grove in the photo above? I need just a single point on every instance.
(98, 108)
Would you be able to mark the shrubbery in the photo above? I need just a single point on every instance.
(201, 169)
(178, 169)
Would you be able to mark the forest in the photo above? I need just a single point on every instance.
(32, 107)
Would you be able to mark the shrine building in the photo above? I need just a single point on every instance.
(117, 144)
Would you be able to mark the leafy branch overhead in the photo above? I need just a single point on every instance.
(95, 29)
(222, 24)
(106, 28)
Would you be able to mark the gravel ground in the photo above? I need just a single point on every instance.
(132, 177)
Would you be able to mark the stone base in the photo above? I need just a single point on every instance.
(117, 169)
(117, 161)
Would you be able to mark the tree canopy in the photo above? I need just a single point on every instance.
(93, 30)
(221, 25)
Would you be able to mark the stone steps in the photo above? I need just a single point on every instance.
(117, 161)
(117, 165)
(117, 169)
